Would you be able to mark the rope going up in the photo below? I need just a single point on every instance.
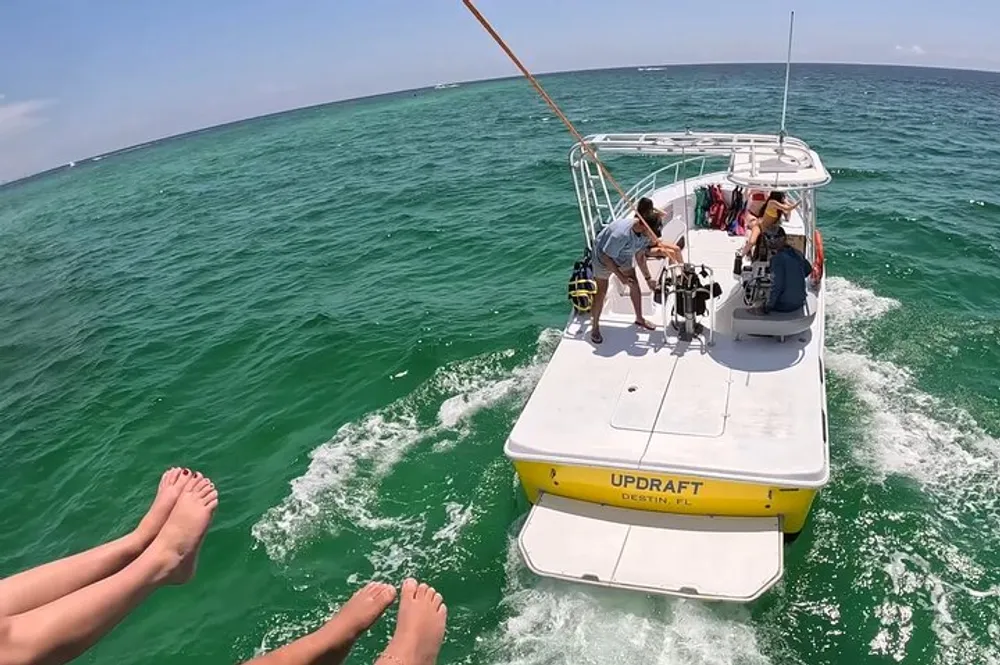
(555, 109)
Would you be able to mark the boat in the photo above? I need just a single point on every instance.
(679, 461)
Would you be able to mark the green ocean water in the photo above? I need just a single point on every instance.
(336, 314)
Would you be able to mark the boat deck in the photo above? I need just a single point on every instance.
(751, 410)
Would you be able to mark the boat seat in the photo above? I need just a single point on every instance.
(775, 324)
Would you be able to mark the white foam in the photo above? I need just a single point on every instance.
(327, 483)
(551, 623)
(848, 304)
(282, 628)
(457, 408)
(912, 433)
(478, 391)
(344, 473)
(909, 433)
(459, 517)
(914, 579)
(396, 556)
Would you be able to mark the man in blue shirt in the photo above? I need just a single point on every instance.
(789, 270)
(614, 248)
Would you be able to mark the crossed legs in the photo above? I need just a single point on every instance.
(55, 612)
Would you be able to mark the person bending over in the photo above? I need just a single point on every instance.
(615, 247)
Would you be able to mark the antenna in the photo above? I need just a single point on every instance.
(788, 68)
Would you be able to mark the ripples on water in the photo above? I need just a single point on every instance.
(337, 314)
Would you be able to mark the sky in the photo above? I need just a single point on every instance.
(83, 77)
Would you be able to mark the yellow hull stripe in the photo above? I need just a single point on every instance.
(690, 495)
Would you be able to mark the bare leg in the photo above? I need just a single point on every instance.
(419, 628)
(752, 240)
(595, 310)
(63, 629)
(635, 295)
(43, 584)
(330, 644)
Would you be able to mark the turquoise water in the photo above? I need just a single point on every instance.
(336, 314)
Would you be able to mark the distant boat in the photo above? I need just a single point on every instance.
(651, 69)
(71, 164)
(443, 86)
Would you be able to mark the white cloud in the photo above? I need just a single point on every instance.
(915, 49)
(18, 117)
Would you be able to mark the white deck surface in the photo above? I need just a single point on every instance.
(751, 410)
(723, 558)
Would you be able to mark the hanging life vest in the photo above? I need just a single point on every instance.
(736, 207)
(717, 209)
(701, 207)
(582, 286)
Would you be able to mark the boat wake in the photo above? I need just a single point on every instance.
(550, 622)
(907, 434)
(345, 473)
(938, 453)
(906, 440)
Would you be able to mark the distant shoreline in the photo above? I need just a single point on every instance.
(649, 68)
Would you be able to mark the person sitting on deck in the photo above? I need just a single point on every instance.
(789, 270)
(615, 247)
(773, 211)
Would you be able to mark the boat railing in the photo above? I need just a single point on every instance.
(653, 180)
(594, 197)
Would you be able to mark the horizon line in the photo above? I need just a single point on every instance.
(344, 100)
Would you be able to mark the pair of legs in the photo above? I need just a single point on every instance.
(417, 640)
(54, 612)
(670, 251)
(601, 276)
(755, 230)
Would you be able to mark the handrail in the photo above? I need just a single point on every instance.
(641, 188)
(709, 143)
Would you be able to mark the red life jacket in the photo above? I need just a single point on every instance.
(717, 208)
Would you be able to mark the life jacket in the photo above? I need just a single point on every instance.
(737, 205)
(738, 227)
(582, 286)
(717, 208)
(701, 207)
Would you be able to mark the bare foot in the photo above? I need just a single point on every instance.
(174, 551)
(356, 616)
(419, 628)
(171, 484)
